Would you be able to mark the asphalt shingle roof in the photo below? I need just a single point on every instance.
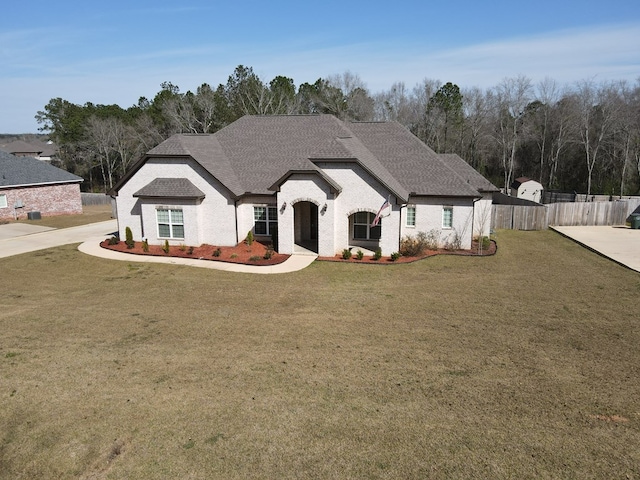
(253, 153)
(26, 171)
(170, 188)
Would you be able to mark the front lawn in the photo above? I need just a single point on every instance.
(524, 364)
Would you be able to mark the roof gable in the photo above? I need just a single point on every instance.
(256, 153)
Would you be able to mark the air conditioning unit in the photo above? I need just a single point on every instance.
(33, 215)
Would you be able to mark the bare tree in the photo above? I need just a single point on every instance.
(510, 99)
(596, 111)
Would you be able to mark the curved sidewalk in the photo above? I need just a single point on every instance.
(16, 239)
(292, 264)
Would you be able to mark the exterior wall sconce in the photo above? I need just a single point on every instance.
(323, 209)
(284, 205)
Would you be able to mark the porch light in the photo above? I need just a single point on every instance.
(323, 209)
(284, 205)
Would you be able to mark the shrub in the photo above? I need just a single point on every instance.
(114, 240)
(249, 239)
(190, 251)
(129, 237)
(268, 254)
(182, 247)
(346, 254)
(395, 256)
(165, 247)
(145, 245)
(359, 255)
(234, 255)
(454, 241)
(254, 258)
(377, 255)
(432, 239)
(217, 252)
(415, 246)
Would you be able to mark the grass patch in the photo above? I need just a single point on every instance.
(522, 365)
(90, 214)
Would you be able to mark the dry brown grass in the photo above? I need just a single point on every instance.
(90, 214)
(519, 365)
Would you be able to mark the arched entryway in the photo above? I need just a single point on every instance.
(305, 222)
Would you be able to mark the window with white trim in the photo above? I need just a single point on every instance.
(3, 201)
(411, 215)
(447, 217)
(265, 220)
(170, 223)
(362, 229)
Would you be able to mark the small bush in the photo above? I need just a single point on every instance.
(217, 252)
(234, 255)
(165, 247)
(114, 240)
(182, 247)
(268, 254)
(485, 242)
(454, 241)
(415, 246)
(129, 238)
(254, 258)
(377, 255)
(346, 254)
(145, 246)
(249, 239)
(395, 256)
(359, 255)
(432, 239)
(190, 251)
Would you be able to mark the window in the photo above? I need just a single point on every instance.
(362, 229)
(3, 201)
(447, 217)
(265, 220)
(411, 215)
(170, 223)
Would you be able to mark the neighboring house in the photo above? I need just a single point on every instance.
(45, 151)
(527, 189)
(30, 185)
(309, 180)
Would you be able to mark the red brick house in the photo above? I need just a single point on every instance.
(30, 185)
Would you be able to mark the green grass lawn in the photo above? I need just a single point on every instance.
(521, 365)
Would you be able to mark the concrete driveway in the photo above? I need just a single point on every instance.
(620, 244)
(17, 238)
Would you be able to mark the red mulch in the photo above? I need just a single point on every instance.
(242, 253)
(427, 253)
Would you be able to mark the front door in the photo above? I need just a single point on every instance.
(306, 225)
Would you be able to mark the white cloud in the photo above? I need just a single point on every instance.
(604, 53)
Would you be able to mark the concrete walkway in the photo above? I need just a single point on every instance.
(620, 244)
(16, 239)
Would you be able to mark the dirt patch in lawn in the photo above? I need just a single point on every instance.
(254, 254)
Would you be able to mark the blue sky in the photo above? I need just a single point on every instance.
(116, 52)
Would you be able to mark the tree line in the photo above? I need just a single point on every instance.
(583, 137)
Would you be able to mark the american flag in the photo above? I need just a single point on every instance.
(376, 220)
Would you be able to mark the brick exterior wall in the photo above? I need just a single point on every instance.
(49, 200)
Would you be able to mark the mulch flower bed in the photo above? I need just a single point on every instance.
(254, 254)
(368, 259)
(241, 253)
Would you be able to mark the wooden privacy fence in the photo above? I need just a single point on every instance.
(539, 217)
(95, 198)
